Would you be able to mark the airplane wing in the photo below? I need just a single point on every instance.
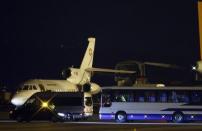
(163, 65)
(109, 70)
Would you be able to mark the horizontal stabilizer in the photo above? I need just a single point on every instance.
(109, 70)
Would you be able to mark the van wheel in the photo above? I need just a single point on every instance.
(54, 119)
(19, 119)
(28, 120)
(120, 117)
(178, 117)
(75, 119)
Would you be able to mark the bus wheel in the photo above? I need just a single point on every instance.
(178, 117)
(120, 117)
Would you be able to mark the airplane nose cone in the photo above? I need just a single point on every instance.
(17, 101)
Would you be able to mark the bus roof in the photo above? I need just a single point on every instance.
(151, 88)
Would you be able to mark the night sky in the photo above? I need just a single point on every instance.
(40, 38)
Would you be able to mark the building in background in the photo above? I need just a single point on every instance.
(5, 95)
(152, 74)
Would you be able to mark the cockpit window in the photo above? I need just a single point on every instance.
(34, 87)
(19, 89)
(25, 87)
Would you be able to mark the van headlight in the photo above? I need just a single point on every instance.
(61, 114)
(44, 104)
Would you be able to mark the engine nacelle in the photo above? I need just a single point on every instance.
(66, 73)
(92, 88)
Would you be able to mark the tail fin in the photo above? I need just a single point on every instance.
(200, 26)
(83, 75)
(80, 76)
(87, 61)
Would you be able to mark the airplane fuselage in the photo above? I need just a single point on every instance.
(30, 87)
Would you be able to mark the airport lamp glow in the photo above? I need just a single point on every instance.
(44, 104)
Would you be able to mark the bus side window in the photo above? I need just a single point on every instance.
(183, 96)
(139, 97)
(196, 97)
(119, 98)
(162, 96)
(150, 96)
(130, 97)
(178, 96)
(172, 97)
(106, 100)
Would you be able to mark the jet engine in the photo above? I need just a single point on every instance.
(66, 73)
(93, 88)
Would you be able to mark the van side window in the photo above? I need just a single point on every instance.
(195, 97)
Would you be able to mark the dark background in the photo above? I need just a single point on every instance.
(40, 38)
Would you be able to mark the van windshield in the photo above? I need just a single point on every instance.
(62, 101)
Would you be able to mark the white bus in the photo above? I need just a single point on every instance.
(176, 104)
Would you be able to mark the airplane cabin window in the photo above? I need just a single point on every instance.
(30, 87)
(42, 88)
(34, 87)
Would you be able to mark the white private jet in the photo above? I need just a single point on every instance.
(78, 80)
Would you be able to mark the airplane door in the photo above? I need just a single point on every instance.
(41, 87)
